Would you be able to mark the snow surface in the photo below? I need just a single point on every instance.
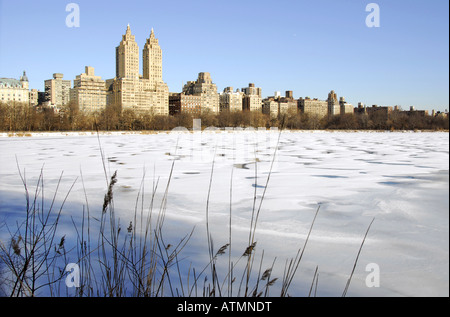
(401, 179)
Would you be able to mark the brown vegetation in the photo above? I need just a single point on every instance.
(19, 117)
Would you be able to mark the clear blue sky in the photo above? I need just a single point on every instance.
(309, 47)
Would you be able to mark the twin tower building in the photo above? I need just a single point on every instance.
(148, 93)
(129, 89)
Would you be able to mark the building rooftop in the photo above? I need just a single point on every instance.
(10, 82)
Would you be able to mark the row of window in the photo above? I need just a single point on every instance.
(13, 99)
(9, 95)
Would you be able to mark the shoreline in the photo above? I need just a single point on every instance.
(26, 134)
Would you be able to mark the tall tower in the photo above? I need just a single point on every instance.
(24, 80)
(152, 59)
(127, 57)
(333, 105)
(129, 90)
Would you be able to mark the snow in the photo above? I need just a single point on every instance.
(400, 179)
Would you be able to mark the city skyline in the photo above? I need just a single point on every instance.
(309, 48)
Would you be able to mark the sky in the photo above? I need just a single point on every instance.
(309, 47)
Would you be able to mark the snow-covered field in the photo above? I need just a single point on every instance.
(400, 179)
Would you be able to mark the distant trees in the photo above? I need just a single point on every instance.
(346, 121)
(15, 116)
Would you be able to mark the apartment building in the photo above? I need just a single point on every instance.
(313, 106)
(182, 103)
(89, 91)
(57, 91)
(128, 89)
(230, 100)
(206, 89)
(252, 100)
(276, 105)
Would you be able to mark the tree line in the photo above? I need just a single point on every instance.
(21, 117)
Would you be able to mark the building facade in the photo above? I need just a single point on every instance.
(181, 103)
(252, 99)
(33, 97)
(275, 106)
(288, 104)
(314, 106)
(334, 107)
(270, 107)
(381, 112)
(230, 100)
(57, 91)
(206, 89)
(152, 60)
(13, 90)
(89, 91)
(127, 57)
(345, 107)
(128, 89)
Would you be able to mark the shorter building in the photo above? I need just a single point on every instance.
(89, 91)
(34, 97)
(206, 89)
(440, 114)
(139, 95)
(361, 109)
(252, 100)
(379, 111)
(277, 105)
(182, 103)
(270, 107)
(14, 90)
(345, 107)
(413, 112)
(313, 106)
(230, 100)
(41, 97)
(57, 91)
(288, 104)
